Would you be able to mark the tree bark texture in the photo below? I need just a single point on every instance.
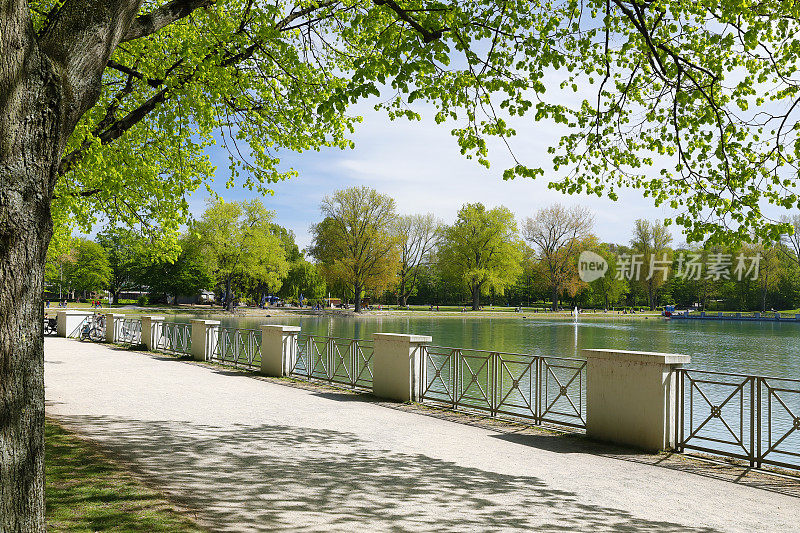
(30, 143)
(47, 82)
(476, 297)
(357, 289)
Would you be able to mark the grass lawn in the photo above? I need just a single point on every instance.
(87, 492)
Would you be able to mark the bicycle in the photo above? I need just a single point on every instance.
(50, 325)
(94, 329)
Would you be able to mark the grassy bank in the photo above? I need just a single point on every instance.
(85, 491)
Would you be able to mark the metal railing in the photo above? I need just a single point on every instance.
(537, 388)
(754, 418)
(128, 331)
(235, 346)
(335, 360)
(174, 337)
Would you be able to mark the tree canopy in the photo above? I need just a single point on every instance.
(418, 236)
(557, 234)
(303, 280)
(91, 271)
(239, 240)
(482, 249)
(126, 258)
(186, 274)
(356, 242)
(692, 103)
(650, 245)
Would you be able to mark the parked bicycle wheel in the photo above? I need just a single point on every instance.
(96, 334)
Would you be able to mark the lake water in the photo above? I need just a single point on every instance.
(767, 348)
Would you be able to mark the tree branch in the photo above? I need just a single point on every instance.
(427, 35)
(152, 82)
(165, 15)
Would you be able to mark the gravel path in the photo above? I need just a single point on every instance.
(253, 455)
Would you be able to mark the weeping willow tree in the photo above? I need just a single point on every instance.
(106, 109)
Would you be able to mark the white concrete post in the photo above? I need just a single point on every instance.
(204, 337)
(630, 397)
(396, 365)
(278, 349)
(68, 321)
(111, 326)
(151, 331)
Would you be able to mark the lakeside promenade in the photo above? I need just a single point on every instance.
(249, 454)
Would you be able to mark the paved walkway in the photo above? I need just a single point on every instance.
(250, 455)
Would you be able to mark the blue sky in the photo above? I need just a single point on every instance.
(419, 165)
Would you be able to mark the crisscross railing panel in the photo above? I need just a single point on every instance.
(475, 380)
(516, 385)
(438, 375)
(334, 359)
(173, 337)
(755, 418)
(717, 414)
(778, 436)
(236, 346)
(562, 395)
(362, 363)
(128, 331)
(538, 388)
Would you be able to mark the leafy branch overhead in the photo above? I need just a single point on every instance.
(693, 103)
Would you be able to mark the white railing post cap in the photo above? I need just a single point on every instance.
(630, 356)
(281, 328)
(75, 312)
(205, 322)
(402, 337)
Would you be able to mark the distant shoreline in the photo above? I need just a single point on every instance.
(283, 312)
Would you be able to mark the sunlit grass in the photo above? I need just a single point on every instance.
(87, 492)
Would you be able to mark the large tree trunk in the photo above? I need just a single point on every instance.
(476, 297)
(555, 298)
(651, 296)
(30, 144)
(228, 297)
(357, 290)
(47, 83)
(22, 378)
(402, 297)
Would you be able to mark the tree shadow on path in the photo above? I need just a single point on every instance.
(265, 478)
